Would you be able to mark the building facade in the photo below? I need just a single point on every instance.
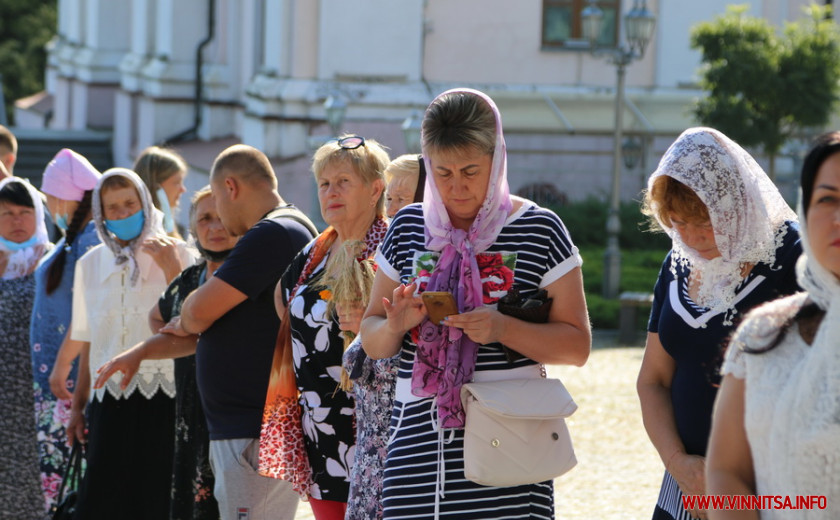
(202, 74)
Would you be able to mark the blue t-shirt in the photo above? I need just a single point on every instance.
(233, 357)
(697, 349)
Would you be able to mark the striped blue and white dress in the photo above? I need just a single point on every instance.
(424, 475)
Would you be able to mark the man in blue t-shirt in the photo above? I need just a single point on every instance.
(234, 314)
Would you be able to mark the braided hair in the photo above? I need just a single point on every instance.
(80, 216)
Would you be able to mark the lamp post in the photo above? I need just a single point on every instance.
(335, 107)
(639, 23)
(411, 129)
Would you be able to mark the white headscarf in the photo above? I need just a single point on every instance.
(152, 220)
(747, 211)
(822, 286)
(21, 261)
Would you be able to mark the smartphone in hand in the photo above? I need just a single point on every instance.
(440, 304)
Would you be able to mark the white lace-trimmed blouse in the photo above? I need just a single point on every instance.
(791, 410)
(113, 316)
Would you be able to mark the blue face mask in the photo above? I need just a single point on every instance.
(128, 228)
(61, 222)
(14, 246)
(168, 222)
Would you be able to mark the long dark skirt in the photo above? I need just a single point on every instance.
(129, 458)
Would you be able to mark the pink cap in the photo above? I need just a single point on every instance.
(69, 175)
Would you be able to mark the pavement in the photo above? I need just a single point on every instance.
(618, 472)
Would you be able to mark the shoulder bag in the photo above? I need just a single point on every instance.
(515, 431)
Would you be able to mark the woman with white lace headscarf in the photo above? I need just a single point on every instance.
(734, 246)
(23, 241)
(777, 420)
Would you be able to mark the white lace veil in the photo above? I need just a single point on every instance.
(747, 211)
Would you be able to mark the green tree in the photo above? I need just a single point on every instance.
(25, 28)
(765, 85)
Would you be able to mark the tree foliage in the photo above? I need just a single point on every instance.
(765, 85)
(25, 28)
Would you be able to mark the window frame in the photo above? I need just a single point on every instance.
(576, 41)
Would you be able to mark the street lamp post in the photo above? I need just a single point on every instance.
(411, 128)
(639, 23)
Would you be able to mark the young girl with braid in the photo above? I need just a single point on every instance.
(68, 183)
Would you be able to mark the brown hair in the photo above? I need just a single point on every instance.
(8, 141)
(155, 165)
(459, 121)
(668, 195)
(114, 182)
(246, 163)
(368, 160)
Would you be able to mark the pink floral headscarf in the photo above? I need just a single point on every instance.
(445, 355)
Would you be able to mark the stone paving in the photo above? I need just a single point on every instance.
(618, 472)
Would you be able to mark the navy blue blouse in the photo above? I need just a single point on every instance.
(697, 338)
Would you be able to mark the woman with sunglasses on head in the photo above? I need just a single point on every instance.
(68, 183)
(130, 427)
(374, 380)
(776, 428)
(735, 243)
(472, 238)
(23, 242)
(348, 172)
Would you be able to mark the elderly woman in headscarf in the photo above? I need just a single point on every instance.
(472, 238)
(776, 428)
(192, 477)
(735, 243)
(130, 426)
(23, 241)
(68, 183)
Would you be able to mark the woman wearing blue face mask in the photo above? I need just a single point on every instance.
(68, 183)
(129, 437)
(23, 241)
(163, 171)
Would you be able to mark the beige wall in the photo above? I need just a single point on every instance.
(504, 47)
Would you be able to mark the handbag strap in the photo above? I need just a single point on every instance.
(72, 470)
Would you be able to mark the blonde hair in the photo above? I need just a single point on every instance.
(668, 195)
(403, 167)
(369, 161)
(197, 197)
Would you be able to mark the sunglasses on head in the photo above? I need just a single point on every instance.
(351, 142)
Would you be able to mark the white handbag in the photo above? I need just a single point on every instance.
(515, 431)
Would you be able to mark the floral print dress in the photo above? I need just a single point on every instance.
(50, 320)
(192, 477)
(374, 381)
(20, 487)
(327, 411)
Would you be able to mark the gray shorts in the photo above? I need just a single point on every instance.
(244, 494)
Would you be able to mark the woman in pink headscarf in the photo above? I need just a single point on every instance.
(68, 183)
(472, 238)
